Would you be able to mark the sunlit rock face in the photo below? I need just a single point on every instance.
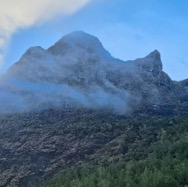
(78, 72)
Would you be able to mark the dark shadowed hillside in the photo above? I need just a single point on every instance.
(35, 146)
(164, 163)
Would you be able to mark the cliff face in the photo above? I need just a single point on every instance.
(78, 72)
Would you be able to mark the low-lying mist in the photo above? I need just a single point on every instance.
(46, 95)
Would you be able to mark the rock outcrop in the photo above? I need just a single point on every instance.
(78, 72)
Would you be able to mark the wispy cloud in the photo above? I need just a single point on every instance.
(16, 14)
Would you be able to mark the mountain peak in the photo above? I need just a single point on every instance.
(151, 63)
(81, 43)
(81, 39)
(155, 55)
(79, 36)
(155, 61)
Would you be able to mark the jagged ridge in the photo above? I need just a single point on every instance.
(78, 71)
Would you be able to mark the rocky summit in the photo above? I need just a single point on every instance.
(78, 72)
(74, 103)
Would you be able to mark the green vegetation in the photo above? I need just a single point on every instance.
(160, 163)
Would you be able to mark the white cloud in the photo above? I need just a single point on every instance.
(15, 14)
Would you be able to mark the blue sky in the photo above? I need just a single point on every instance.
(128, 29)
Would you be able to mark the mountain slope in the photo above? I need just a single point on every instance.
(165, 165)
(35, 146)
(74, 103)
